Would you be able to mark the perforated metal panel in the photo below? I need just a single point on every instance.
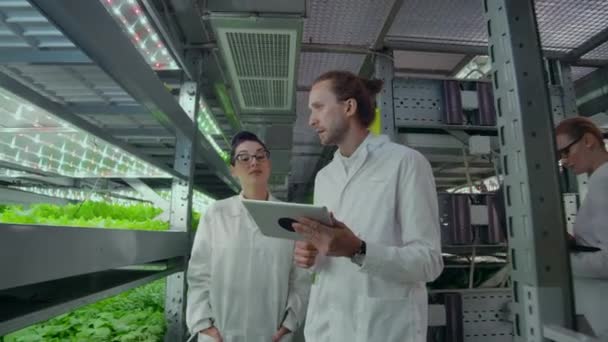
(486, 316)
(313, 64)
(563, 24)
(261, 58)
(417, 102)
(600, 52)
(350, 22)
(580, 72)
(262, 65)
(441, 21)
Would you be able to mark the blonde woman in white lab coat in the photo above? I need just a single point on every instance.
(372, 265)
(581, 149)
(243, 286)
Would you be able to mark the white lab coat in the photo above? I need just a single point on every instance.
(388, 199)
(590, 270)
(242, 281)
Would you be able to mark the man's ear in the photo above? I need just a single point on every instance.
(589, 140)
(351, 107)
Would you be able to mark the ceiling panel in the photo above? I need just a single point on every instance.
(441, 21)
(313, 64)
(566, 24)
(580, 72)
(563, 24)
(350, 22)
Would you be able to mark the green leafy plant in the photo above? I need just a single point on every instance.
(135, 315)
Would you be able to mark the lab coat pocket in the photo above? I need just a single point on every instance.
(389, 320)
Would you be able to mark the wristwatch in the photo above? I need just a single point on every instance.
(359, 255)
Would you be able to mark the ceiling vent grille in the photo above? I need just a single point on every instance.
(261, 57)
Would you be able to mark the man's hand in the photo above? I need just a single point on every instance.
(304, 254)
(335, 240)
(280, 333)
(213, 332)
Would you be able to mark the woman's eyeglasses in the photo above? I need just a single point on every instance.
(245, 158)
(564, 151)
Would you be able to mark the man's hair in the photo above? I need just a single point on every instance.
(577, 126)
(240, 138)
(346, 85)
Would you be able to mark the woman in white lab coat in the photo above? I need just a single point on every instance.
(243, 286)
(582, 149)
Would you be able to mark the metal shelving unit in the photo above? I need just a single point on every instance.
(52, 55)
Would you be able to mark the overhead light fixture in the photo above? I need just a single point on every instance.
(36, 140)
(477, 68)
(136, 24)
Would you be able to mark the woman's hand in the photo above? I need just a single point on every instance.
(213, 332)
(280, 333)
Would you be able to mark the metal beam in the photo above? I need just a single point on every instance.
(81, 21)
(36, 56)
(150, 195)
(152, 132)
(12, 26)
(335, 48)
(63, 113)
(398, 43)
(541, 277)
(436, 72)
(173, 43)
(463, 62)
(589, 45)
(34, 254)
(379, 41)
(12, 196)
(181, 215)
(556, 333)
(105, 109)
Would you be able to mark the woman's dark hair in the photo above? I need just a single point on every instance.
(240, 138)
(577, 126)
(347, 85)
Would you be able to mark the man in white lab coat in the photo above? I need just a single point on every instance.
(372, 264)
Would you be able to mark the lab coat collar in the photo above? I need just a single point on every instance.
(237, 208)
(270, 197)
(370, 143)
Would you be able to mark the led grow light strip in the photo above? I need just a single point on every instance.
(77, 154)
(209, 128)
(134, 22)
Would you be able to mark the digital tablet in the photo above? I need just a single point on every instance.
(274, 219)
